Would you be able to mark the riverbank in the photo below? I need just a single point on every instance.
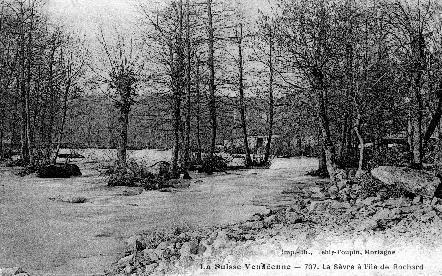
(315, 235)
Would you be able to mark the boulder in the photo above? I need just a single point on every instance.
(414, 181)
(339, 205)
(58, 171)
(134, 244)
(417, 199)
(369, 201)
(368, 224)
(150, 255)
(318, 206)
(270, 220)
(343, 184)
(315, 190)
(319, 195)
(341, 175)
(248, 225)
(438, 208)
(189, 248)
(123, 262)
(73, 199)
(333, 191)
(150, 268)
(221, 240)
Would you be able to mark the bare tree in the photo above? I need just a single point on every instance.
(123, 76)
(309, 36)
(242, 105)
(211, 63)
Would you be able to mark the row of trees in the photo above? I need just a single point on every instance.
(201, 51)
(372, 68)
(39, 74)
(356, 70)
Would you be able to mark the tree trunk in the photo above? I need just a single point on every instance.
(176, 127)
(177, 86)
(242, 106)
(2, 124)
(271, 100)
(357, 130)
(123, 120)
(435, 119)
(63, 122)
(198, 111)
(188, 88)
(22, 89)
(410, 133)
(416, 121)
(29, 130)
(13, 125)
(342, 153)
(52, 113)
(322, 169)
(211, 63)
(325, 125)
(418, 52)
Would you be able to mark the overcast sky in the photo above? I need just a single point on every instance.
(86, 15)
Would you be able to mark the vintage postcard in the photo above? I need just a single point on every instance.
(220, 137)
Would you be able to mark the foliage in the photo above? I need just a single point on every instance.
(389, 156)
(213, 164)
(371, 187)
(135, 175)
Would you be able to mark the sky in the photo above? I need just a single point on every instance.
(87, 15)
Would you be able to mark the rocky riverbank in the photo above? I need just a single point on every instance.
(351, 209)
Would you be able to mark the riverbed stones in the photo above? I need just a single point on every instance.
(417, 182)
(370, 215)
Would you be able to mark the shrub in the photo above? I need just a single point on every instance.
(213, 164)
(135, 175)
(15, 163)
(371, 187)
(394, 156)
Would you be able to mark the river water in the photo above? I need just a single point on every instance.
(47, 236)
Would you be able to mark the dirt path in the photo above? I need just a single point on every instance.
(46, 236)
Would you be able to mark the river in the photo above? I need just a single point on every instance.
(46, 236)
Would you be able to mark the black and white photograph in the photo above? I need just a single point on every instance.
(220, 137)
